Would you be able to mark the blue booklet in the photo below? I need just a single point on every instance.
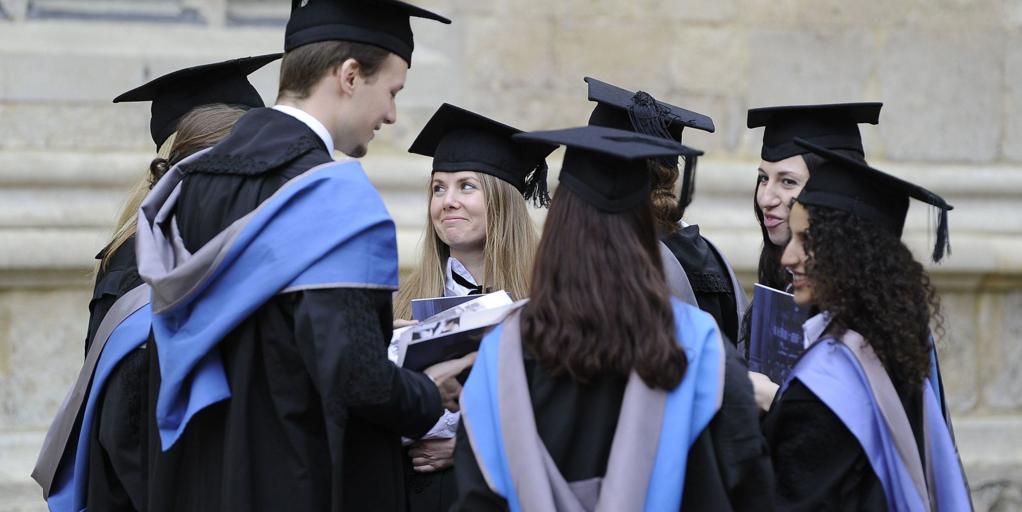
(776, 336)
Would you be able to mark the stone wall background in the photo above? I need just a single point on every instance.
(948, 71)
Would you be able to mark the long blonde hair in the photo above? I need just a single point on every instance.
(199, 129)
(511, 241)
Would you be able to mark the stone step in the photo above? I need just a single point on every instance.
(58, 207)
(42, 112)
(18, 492)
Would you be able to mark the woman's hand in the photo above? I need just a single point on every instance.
(445, 376)
(401, 322)
(432, 455)
(764, 389)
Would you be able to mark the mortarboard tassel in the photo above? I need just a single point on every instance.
(535, 186)
(649, 118)
(943, 240)
(688, 179)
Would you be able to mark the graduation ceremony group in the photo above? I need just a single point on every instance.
(252, 346)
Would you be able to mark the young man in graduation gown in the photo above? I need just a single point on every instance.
(95, 453)
(697, 271)
(272, 269)
(555, 415)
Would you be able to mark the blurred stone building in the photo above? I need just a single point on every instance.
(948, 71)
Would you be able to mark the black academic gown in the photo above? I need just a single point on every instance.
(317, 411)
(435, 492)
(117, 277)
(708, 276)
(818, 463)
(118, 439)
(728, 465)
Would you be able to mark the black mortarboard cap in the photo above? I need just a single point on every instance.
(640, 112)
(833, 126)
(850, 185)
(460, 140)
(606, 167)
(177, 93)
(382, 23)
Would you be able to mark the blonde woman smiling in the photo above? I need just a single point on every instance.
(479, 238)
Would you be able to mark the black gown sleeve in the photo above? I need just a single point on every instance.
(818, 462)
(473, 492)
(340, 335)
(118, 461)
(729, 464)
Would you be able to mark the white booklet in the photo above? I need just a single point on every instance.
(450, 334)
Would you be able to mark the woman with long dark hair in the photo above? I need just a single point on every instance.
(858, 424)
(785, 166)
(192, 109)
(784, 170)
(603, 391)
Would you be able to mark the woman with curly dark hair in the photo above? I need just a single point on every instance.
(603, 392)
(858, 425)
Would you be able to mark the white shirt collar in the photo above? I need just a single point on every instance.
(311, 122)
(814, 328)
(451, 287)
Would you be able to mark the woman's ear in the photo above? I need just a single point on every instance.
(347, 73)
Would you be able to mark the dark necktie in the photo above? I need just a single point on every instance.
(473, 289)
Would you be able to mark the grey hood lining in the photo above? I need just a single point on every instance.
(164, 262)
(59, 433)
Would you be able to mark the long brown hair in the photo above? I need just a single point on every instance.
(199, 129)
(599, 303)
(510, 245)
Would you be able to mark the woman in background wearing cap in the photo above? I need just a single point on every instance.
(858, 425)
(107, 470)
(115, 461)
(786, 167)
(478, 238)
(696, 271)
(604, 389)
(114, 449)
(783, 171)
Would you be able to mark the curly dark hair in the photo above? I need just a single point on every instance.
(868, 280)
(599, 304)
